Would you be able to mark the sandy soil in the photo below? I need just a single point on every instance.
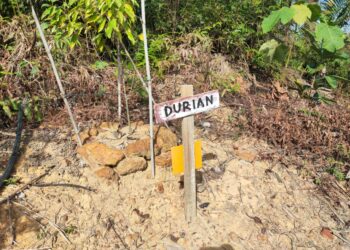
(243, 203)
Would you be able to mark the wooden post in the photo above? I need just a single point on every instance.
(189, 173)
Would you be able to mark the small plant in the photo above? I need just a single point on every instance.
(317, 181)
(339, 175)
(335, 169)
(99, 65)
(11, 181)
(70, 229)
(312, 113)
(41, 234)
(343, 152)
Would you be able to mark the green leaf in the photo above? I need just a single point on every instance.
(270, 21)
(7, 110)
(129, 11)
(111, 26)
(329, 37)
(273, 50)
(102, 25)
(130, 36)
(302, 13)
(331, 81)
(286, 14)
(315, 10)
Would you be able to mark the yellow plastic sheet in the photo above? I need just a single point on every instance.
(177, 157)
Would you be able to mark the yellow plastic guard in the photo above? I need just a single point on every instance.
(177, 157)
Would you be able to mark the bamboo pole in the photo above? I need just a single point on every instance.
(119, 83)
(149, 82)
(58, 80)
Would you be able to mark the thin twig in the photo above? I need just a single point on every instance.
(31, 182)
(13, 233)
(342, 238)
(54, 225)
(112, 224)
(135, 68)
(63, 185)
(126, 104)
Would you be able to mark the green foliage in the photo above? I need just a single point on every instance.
(158, 49)
(105, 21)
(232, 25)
(99, 65)
(9, 8)
(31, 110)
(311, 44)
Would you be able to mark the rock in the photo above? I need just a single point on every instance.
(327, 233)
(131, 165)
(84, 136)
(165, 139)
(131, 239)
(97, 154)
(206, 124)
(107, 173)
(93, 132)
(163, 160)
(246, 155)
(209, 156)
(109, 126)
(141, 148)
(160, 187)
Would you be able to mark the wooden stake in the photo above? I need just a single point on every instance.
(149, 82)
(189, 173)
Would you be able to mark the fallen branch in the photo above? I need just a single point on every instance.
(13, 194)
(63, 185)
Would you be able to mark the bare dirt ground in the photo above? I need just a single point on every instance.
(244, 202)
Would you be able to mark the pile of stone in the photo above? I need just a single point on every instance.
(112, 151)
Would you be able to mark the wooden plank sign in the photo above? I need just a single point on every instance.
(186, 106)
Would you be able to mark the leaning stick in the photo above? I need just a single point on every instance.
(126, 101)
(58, 80)
(135, 68)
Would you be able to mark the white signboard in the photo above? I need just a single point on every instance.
(186, 106)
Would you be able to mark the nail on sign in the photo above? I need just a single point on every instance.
(186, 106)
